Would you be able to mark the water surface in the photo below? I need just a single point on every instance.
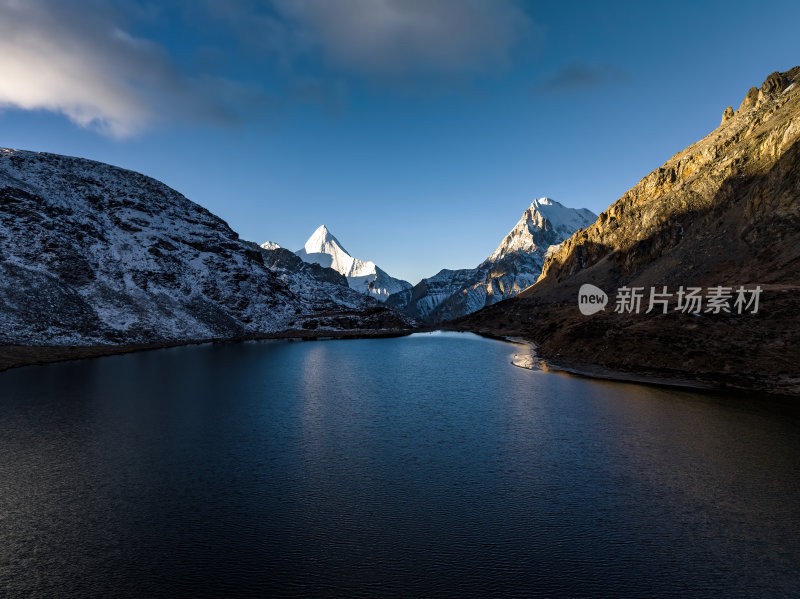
(419, 466)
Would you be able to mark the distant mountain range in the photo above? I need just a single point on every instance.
(513, 266)
(95, 255)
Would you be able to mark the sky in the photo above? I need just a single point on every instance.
(417, 131)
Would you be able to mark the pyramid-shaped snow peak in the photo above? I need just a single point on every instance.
(324, 249)
(322, 241)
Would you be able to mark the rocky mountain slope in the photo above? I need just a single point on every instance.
(723, 212)
(94, 254)
(365, 277)
(513, 266)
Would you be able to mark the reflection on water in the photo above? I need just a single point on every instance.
(426, 465)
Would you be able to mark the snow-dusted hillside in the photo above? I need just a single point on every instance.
(365, 277)
(513, 266)
(93, 254)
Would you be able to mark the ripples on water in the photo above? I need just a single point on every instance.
(423, 466)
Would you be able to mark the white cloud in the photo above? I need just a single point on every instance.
(78, 57)
(74, 57)
(71, 58)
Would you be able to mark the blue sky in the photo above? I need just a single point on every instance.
(416, 130)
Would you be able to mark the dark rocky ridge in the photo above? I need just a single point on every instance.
(725, 211)
(91, 254)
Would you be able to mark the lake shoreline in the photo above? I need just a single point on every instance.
(301, 463)
(19, 356)
(700, 382)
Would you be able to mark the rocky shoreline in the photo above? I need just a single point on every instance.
(592, 356)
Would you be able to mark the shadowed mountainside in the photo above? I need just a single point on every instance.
(725, 211)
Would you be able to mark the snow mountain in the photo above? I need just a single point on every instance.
(92, 254)
(365, 277)
(543, 224)
(513, 266)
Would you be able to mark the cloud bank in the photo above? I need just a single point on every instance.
(74, 57)
(77, 57)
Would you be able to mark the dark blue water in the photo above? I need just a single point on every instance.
(423, 466)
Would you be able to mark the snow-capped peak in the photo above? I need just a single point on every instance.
(322, 241)
(324, 249)
(561, 216)
(545, 223)
(270, 245)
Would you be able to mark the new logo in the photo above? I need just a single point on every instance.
(591, 299)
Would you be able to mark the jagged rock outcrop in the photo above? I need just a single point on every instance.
(95, 254)
(727, 114)
(724, 211)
